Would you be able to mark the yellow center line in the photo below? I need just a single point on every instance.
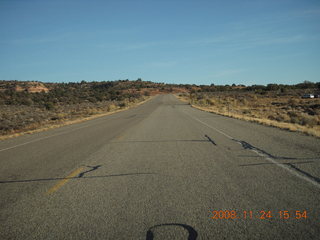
(65, 180)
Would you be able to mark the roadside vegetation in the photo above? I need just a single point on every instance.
(26, 106)
(30, 106)
(275, 105)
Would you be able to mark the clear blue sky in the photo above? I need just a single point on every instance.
(172, 41)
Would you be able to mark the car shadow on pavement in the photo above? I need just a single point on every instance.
(192, 233)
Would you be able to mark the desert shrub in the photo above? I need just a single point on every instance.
(279, 118)
(210, 102)
(202, 101)
(122, 104)
(271, 117)
(200, 97)
(292, 114)
(49, 106)
(311, 122)
(310, 111)
(293, 102)
(243, 101)
(295, 120)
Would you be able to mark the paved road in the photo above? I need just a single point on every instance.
(160, 171)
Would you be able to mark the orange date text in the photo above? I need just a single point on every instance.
(263, 214)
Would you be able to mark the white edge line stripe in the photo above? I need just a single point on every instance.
(262, 155)
(288, 169)
(228, 136)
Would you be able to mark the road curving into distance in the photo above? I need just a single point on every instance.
(162, 170)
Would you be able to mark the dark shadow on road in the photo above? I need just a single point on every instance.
(303, 172)
(192, 233)
(210, 140)
(177, 104)
(291, 165)
(92, 169)
(283, 158)
(160, 141)
(76, 178)
(246, 145)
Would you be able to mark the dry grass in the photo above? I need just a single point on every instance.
(286, 112)
(75, 114)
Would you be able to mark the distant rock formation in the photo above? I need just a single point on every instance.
(24, 86)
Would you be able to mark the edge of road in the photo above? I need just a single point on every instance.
(74, 121)
(280, 125)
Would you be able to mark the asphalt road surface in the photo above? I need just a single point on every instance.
(163, 170)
